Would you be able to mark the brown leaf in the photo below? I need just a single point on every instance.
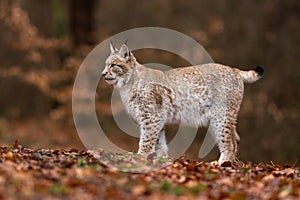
(16, 144)
(191, 166)
(268, 178)
(9, 156)
(226, 164)
(138, 190)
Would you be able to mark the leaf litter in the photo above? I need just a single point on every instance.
(62, 174)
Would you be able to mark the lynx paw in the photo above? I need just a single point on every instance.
(226, 157)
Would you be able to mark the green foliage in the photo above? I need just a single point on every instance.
(169, 188)
(211, 174)
(58, 189)
(196, 189)
(181, 189)
(60, 24)
(246, 170)
(82, 163)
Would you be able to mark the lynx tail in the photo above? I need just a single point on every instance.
(252, 75)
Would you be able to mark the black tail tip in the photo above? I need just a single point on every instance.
(259, 70)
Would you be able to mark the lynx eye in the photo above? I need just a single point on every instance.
(112, 65)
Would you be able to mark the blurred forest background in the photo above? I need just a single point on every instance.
(43, 43)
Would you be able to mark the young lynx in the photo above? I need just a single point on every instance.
(205, 95)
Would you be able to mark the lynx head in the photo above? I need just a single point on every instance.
(119, 66)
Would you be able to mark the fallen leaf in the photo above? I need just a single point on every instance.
(138, 190)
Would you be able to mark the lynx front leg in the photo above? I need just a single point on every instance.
(161, 147)
(148, 139)
(151, 116)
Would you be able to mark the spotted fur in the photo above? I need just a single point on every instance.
(206, 95)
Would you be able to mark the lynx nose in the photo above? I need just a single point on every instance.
(104, 73)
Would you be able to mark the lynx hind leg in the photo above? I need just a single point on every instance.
(224, 129)
(161, 147)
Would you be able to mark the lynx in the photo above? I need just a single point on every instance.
(206, 95)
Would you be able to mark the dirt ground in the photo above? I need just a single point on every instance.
(74, 174)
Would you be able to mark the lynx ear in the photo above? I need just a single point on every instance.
(124, 52)
(112, 48)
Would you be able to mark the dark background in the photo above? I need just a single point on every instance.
(43, 43)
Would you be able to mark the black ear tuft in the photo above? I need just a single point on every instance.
(259, 70)
(112, 48)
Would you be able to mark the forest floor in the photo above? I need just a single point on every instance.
(71, 174)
